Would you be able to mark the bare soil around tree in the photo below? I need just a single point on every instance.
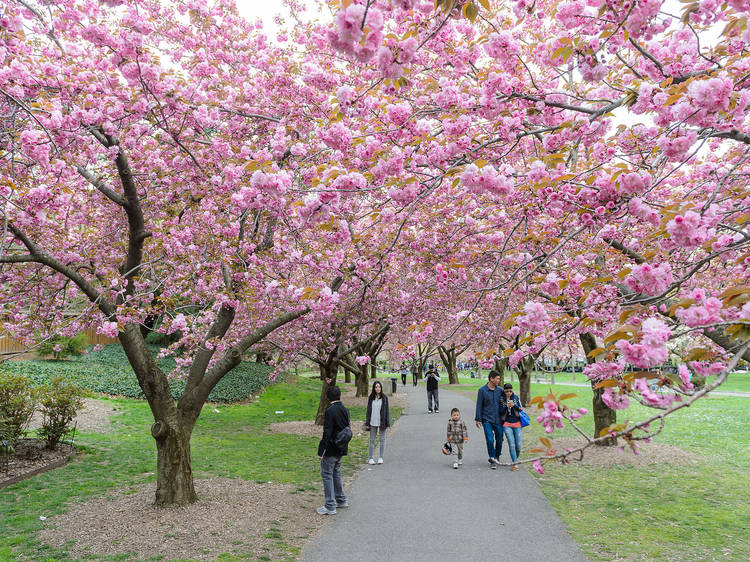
(235, 516)
(267, 521)
(30, 456)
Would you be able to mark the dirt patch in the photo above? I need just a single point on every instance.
(309, 429)
(94, 417)
(236, 516)
(303, 428)
(648, 453)
(400, 399)
(29, 458)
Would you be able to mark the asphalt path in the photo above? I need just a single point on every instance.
(416, 507)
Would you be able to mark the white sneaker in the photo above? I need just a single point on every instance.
(460, 462)
(455, 465)
(380, 460)
(371, 461)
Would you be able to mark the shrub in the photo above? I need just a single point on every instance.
(17, 402)
(108, 371)
(61, 347)
(60, 401)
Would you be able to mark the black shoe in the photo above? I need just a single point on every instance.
(437, 411)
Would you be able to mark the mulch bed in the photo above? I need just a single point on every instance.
(29, 458)
(268, 520)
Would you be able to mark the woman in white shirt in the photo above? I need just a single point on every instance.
(378, 419)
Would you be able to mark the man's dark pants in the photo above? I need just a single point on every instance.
(432, 395)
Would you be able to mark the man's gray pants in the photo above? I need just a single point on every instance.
(333, 487)
(433, 395)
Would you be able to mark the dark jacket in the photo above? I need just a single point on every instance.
(336, 418)
(512, 414)
(432, 380)
(488, 405)
(385, 412)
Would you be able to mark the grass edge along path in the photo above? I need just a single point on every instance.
(663, 511)
(229, 441)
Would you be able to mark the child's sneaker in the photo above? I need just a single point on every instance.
(455, 465)
(380, 460)
(460, 462)
(371, 461)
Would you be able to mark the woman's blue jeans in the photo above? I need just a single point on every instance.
(513, 437)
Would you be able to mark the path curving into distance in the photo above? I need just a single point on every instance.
(416, 507)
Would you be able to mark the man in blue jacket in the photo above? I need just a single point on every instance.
(336, 418)
(488, 416)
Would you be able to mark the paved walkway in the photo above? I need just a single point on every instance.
(416, 507)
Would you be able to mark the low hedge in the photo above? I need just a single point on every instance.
(107, 371)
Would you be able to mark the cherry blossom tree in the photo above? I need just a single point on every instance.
(154, 165)
(636, 232)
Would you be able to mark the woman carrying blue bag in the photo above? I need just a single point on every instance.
(511, 413)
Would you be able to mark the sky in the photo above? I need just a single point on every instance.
(264, 9)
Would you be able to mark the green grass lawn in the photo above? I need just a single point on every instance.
(737, 382)
(663, 511)
(233, 442)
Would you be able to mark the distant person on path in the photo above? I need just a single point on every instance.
(458, 434)
(432, 379)
(414, 370)
(336, 418)
(488, 416)
(510, 411)
(378, 419)
(404, 372)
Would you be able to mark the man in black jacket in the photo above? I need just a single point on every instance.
(336, 419)
(432, 379)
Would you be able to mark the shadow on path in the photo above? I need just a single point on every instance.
(417, 507)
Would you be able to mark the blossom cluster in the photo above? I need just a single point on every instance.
(650, 279)
(651, 350)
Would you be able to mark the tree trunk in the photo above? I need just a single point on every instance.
(604, 416)
(373, 368)
(347, 375)
(448, 357)
(174, 485)
(327, 373)
(361, 381)
(499, 364)
(523, 370)
(421, 362)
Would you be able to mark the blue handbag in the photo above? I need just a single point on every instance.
(524, 419)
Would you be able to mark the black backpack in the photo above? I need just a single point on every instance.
(342, 437)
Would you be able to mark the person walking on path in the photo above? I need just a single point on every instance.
(488, 416)
(389, 502)
(336, 418)
(378, 419)
(510, 411)
(432, 380)
(414, 374)
(457, 436)
(404, 372)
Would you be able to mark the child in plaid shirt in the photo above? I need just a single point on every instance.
(457, 436)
